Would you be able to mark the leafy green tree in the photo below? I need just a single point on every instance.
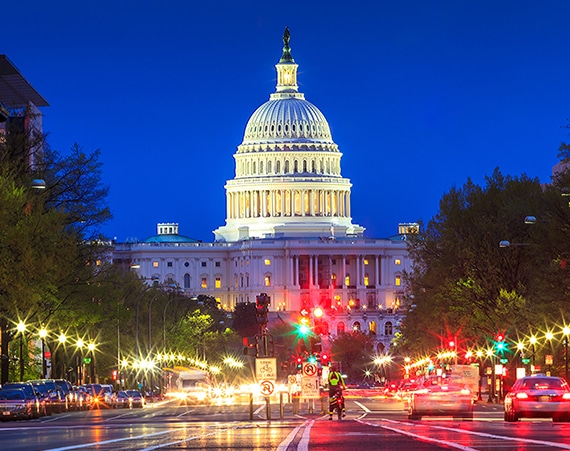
(354, 351)
(244, 320)
(49, 243)
(463, 284)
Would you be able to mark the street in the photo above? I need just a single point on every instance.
(371, 423)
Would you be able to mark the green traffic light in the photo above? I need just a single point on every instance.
(303, 329)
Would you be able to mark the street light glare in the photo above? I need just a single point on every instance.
(43, 332)
(21, 327)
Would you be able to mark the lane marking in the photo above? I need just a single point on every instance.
(106, 442)
(421, 437)
(189, 439)
(363, 407)
(506, 437)
(285, 443)
(304, 443)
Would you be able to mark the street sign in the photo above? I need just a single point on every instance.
(525, 361)
(310, 388)
(310, 369)
(266, 368)
(266, 388)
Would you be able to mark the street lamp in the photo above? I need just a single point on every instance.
(533, 343)
(566, 332)
(150, 322)
(43, 335)
(91, 348)
(21, 328)
(62, 339)
(80, 343)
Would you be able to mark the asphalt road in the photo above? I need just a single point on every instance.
(371, 424)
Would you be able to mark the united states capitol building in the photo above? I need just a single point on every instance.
(289, 230)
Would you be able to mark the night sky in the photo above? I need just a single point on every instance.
(419, 95)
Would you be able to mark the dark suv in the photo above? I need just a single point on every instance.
(30, 391)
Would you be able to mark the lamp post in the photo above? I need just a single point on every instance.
(61, 340)
(549, 336)
(91, 348)
(533, 344)
(43, 335)
(566, 332)
(80, 343)
(150, 322)
(21, 328)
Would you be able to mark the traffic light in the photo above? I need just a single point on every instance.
(250, 346)
(324, 359)
(114, 375)
(299, 363)
(500, 342)
(303, 328)
(262, 308)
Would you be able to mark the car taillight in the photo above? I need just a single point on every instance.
(522, 395)
(566, 396)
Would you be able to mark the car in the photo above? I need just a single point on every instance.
(440, 397)
(41, 407)
(122, 400)
(52, 393)
(96, 393)
(14, 403)
(83, 396)
(108, 395)
(67, 388)
(538, 396)
(136, 398)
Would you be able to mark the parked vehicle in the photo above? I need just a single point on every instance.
(108, 395)
(40, 403)
(15, 404)
(96, 393)
(55, 398)
(83, 397)
(538, 396)
(67, 388)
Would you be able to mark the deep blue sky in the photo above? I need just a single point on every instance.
(420, 95)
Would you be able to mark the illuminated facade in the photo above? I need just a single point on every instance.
(288, 230)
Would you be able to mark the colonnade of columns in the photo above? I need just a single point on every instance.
(287, 202)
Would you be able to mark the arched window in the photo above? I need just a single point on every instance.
(186, 280)
(356, 326)
(388, 329)
(340, 328)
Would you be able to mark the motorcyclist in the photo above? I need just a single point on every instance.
(336, 385)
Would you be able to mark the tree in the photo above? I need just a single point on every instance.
(49, 254)
(462, 282)
(354, 351)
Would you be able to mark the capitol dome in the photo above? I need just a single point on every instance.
(288, 180)
(287, 118)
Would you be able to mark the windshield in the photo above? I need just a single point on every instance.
(12, 395)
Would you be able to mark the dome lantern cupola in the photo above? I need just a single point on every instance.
(286, 68)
